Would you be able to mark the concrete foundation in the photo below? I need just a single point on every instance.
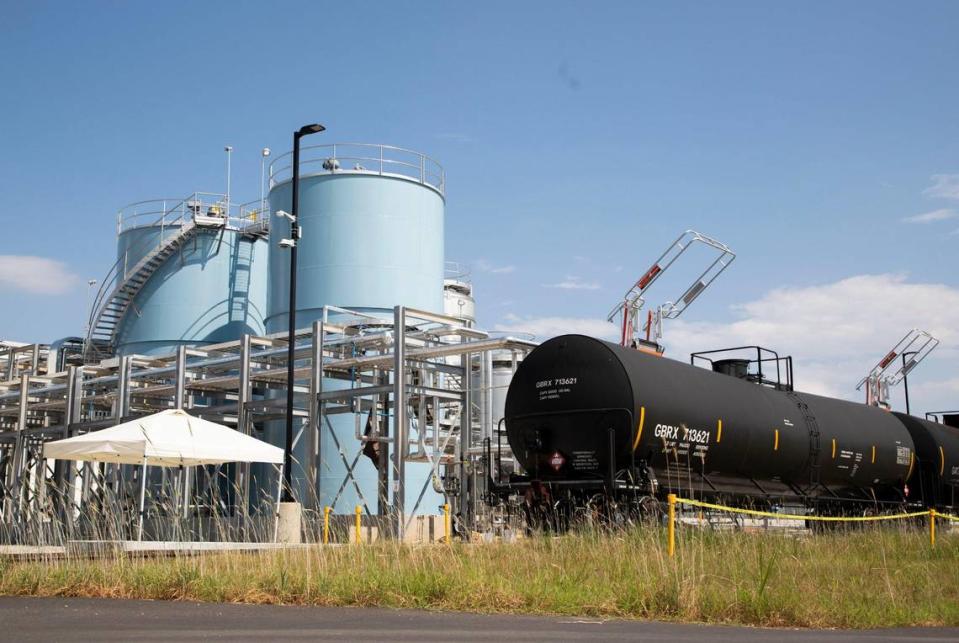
(290, 526)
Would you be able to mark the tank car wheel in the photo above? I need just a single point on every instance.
(649, 511)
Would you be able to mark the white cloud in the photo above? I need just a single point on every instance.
(485, 266)
(574, 283)
(930, 217)
(944, 186)
(950, 386)
(545, 327)
(35, 275)
(836, 332)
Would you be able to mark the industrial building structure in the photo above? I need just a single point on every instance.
(397, 394)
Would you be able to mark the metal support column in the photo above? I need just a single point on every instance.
(11, 503)
(123, 389)
(242, 479)
(399, 419)
(63, 468)
(312, 500)
(180, 384)
(382, 378)
(466, 437)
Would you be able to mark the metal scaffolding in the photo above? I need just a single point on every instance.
(423, 379)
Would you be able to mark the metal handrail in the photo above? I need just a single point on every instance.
(173, 212)
(385, 160)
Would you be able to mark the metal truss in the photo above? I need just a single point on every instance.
(416, 384)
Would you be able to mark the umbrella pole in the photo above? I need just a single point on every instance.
(276, 507)
(143, 494)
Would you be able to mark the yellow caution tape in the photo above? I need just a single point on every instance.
(947, 516)
(769, 514)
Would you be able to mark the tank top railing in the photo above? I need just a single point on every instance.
(164, 213)
(361, 158)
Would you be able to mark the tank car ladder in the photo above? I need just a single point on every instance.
(815, 446)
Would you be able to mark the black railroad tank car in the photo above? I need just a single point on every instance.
(935, 476)
(580, 411)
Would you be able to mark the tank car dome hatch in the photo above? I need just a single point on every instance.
(733, 367)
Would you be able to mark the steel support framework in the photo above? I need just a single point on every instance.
(421, 378)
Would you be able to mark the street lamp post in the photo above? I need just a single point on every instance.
(291, 243)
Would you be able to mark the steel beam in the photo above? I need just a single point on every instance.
(399, 420)
(180, 384)
(313, 424)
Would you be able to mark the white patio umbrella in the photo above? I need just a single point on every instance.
(170, 438)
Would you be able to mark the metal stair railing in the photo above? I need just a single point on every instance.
(109, 309)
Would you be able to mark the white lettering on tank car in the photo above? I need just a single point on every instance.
(903, 455)
(682, 433)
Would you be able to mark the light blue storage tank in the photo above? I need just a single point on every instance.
(211, 289)
(373, 238)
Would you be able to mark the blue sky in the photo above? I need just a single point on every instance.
(578, 138)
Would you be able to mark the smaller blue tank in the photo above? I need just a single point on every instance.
(210, 289)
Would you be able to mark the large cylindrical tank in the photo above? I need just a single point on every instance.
(372, 218)
(211, 289)
(458, 300)
(574, 395)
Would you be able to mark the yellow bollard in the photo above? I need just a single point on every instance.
(932, 527)
(671, 498)
(326, 524)
(446, 522)
(359, 530)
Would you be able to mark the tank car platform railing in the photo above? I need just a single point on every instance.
(361, 158)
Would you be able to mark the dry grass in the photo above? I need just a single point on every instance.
(872, 578)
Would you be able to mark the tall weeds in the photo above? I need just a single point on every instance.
(882, 576)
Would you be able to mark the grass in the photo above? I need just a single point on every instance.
(877, 577)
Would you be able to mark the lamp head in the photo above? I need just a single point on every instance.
(313, 128)
(266, 151)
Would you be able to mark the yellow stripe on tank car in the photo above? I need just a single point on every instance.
(942, 461)
(834, 448)
(874, 454)
(639, 427)
(719, 431)
(776, 441)
(912, 461)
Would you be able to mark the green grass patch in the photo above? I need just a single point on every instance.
(880, 577)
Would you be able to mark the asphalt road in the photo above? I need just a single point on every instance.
(58, 619)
